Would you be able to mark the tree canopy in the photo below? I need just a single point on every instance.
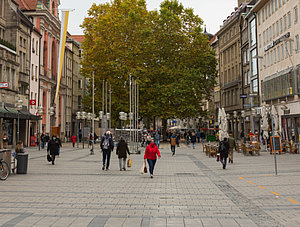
(165, 51)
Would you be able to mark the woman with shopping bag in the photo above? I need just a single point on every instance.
(122, 150)
(151, 154)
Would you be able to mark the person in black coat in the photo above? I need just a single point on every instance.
(223, 150)
(53, 148)
(122, 151)
(107, 146)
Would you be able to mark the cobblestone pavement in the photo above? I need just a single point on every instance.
(189, 189)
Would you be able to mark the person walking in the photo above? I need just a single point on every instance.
(157, 139)
(223, 150)
(173, 143)
(122, 151)
(43, 140)
(202, 136)
(107, 146)
(58, 141)
(148, 139)
(53, 147)
(198, 136)
(73, 138)
(178, 139)
(231, 142)
(151, 154)
(193, 140)
(47, 139)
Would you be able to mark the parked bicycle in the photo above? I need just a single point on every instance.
(4, 170)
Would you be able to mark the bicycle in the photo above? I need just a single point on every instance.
(4, 170)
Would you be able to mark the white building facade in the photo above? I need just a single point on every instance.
(278, 54)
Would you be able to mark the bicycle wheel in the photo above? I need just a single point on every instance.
(4, 171)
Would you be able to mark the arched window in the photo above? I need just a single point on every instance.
(45, 60)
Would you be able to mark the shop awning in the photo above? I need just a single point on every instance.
(10, 112)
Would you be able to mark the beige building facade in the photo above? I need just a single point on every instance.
(278, 31)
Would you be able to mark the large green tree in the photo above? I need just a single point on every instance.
(164, 50)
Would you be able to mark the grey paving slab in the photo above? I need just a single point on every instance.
(188, 189)
(114, 222)
(132, 222)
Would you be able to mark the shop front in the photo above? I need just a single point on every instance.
(291, 127)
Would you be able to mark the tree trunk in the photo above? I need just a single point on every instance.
(164, 129)
(154, 125)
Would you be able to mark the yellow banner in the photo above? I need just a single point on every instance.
(63, 37)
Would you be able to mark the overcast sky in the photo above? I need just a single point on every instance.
(213, 12)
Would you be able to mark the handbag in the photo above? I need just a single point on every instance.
(49, 158)
(129, 163)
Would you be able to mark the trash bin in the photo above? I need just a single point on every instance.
(22, 163)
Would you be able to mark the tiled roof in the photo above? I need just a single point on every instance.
(78, 38)
(27, 4)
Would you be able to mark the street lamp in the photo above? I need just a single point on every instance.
(90, 117)
(243, 116)
(78, 117)
(101, 118)
(51, 112)
(39, 113)
(235, 124)
(83, 117)
(19, 107)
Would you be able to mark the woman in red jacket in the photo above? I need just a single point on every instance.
(151, 154)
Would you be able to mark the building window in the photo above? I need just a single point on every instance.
(286, 49)
(278, 51)
(254, 86)
(279, 3)
(276, 4)
(285, 22)
(273, 6)
(277, 28)
(253, 62)
(80, 84)
(297, 42)
(281, 26)
(289, 20)
(252, 32)
(37, 47)
(275, 56)
(282, 52)
(296, 14)
(273, 26)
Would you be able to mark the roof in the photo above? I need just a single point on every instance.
(27, 4)
(78, 38)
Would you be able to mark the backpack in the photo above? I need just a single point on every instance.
(173, 141)
(222, 146)
(105, 143)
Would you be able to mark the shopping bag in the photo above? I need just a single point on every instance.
(49, 158)
(129, 163)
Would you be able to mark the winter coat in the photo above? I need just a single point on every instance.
(111, 143)
(231, 142)
(122, 149)
(73, 138)
(53, 147)
(151, 152)
(224, 153)
(193, 139)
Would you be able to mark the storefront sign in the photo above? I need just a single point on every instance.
(243, 96)
(4, 84)
(32, 102)
(277, 41)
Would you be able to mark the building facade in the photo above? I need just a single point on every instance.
(278, 30)
(15, 57)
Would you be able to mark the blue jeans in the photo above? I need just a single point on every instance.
(151, 164)
(173, 149)
(193, 145)
(157, 143)
(43, 144)
(106, 155)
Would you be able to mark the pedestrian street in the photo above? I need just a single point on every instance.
(188, 189)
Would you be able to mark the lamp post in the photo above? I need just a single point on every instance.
(78, 119)
(243, 116)
(19, 107)
(101, 123)
(284, 109)
(83, 117)
(235, 124)
(51, 112)
(39, 113)
(268, 110)
(90, 118)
